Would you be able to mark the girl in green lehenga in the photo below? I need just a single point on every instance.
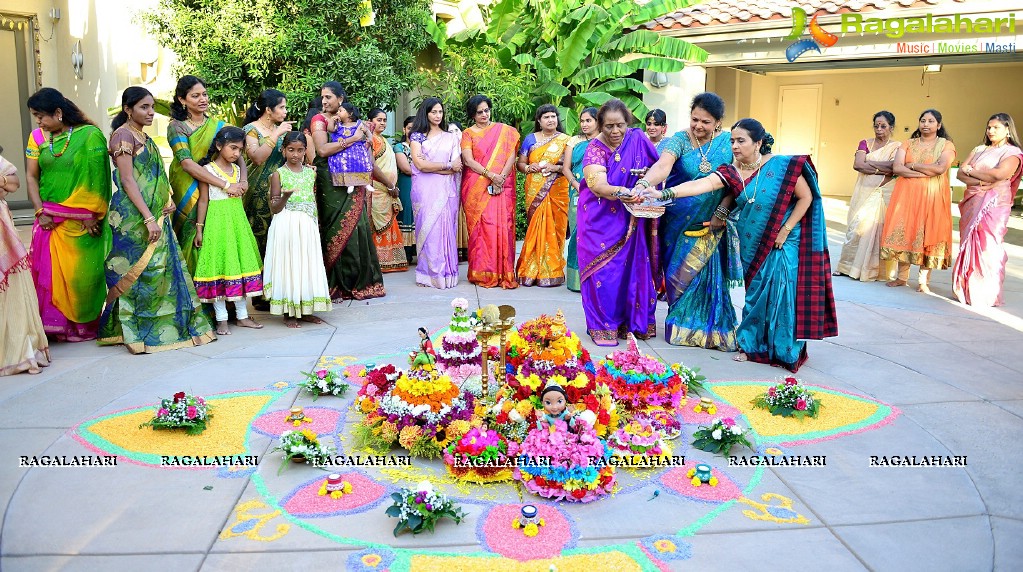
(151, 302)
(190, 134)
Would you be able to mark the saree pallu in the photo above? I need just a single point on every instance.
(257, 199)
(490, 218)
(571, 249)
(151, 303)
(918, 221)
(788, 290)
(384, 213)
(542, 262)
(23, 344)
(349, 254)
(67, 262)
(861, 252)
(979, 269)
(435, 202)
(698, 270)
(616, 250)
(193, 145)
(406, 221)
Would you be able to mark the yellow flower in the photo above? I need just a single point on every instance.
(532, 382)
(664, 545)
(691, 473)
(309, 435)
(515, 523)
(713, 481)
(531, 530)
(712, 410)
(696, 481)
(507, 405)
(524, 408)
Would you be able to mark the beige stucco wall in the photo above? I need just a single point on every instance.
(966, 95)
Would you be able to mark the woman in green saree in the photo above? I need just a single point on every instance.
(265, 128)
(151, 302)
(69, 185)
(190, 134)
(573, 169)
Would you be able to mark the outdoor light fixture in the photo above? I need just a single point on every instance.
(77, 59)
(659, 79)
(932, 68)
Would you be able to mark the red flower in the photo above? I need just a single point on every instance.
(605, 479)
(772, 391)
(179, 397)
(800, 404)
(790, 381)
(603, 417)
(502, 418)
(540, 481)
(579, 493)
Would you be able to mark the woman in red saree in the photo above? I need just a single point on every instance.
(488, 196)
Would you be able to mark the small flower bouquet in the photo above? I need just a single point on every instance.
(691, 377)
(377, 383)
(663, 420)
(789, 399)
(419, 509)
(480, 456)
(302, 447)
(184, 411)
(720, 436)
(323, 382)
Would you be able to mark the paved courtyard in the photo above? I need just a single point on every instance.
(941, 379)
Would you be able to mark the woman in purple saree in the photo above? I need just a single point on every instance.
(616, 250)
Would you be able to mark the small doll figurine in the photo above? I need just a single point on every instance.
(555, 408)
(425, 355)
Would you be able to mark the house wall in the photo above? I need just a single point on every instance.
(966, 95)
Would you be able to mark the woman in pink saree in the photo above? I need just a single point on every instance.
(488, 196)
(991, 173)
(436, 157)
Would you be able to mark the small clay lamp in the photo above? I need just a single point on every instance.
(335, 483)
(296, 414)
(703, 473)
(529, 516)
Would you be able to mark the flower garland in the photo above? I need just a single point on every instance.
(184, 411)
(323, 382)
(577, 470)
(720, 436)
(480, 456)
(419, 509)
(302, 446)
(789, 399)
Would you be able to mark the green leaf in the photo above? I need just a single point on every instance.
(503, 15)
(639, 109)
(647, 42)
(393, 511)
(623, 83)
(656, 64)
(654, 10)
(594, 98)
(398, 527)
(603, 71)
(414, 522)
(577, 46)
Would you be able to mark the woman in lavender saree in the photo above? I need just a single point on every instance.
(991, 173)
(616, 249)
(436, 157)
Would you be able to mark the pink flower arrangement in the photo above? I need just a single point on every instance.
(639, 381)
(191, 412)
(183, 411)
(569, 466)
(789, 399)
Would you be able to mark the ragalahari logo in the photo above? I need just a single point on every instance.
(820, 36)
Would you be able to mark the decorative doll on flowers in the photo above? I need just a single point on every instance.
(556, 408)
(426, 354)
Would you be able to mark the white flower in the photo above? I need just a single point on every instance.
(736, 430)
(514, 416)
(716, 434)
(425, 486)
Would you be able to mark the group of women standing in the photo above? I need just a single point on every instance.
(900, 210)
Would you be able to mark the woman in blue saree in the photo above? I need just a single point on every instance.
(699, 249)
(783, 246)
(573, 169)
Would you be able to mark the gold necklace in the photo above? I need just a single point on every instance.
(269, 128)
(195, 125)
(705, 166)
(137, 132)
(751, 166)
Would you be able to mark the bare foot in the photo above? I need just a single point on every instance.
(250, 323)
(923, 288)
(896, 283)
(34, 370)
(741, 356)
(311, 319)
(291, 323)
(223, 329)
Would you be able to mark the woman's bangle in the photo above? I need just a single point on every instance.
(787, 227)
(667, 195)
(151, 218)
(38, 212)
(6, 180)
(644, 182)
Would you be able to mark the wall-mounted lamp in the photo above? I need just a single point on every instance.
(77, 59)
(932, 68)
(659, 79)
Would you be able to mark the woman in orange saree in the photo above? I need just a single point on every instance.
(918, 223)
(542, 261)
(385, 204)
(488, 196)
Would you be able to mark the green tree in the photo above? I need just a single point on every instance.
(241, 47)
(581, 51)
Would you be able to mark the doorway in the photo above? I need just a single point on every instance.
(799, 119)
(18, 63)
